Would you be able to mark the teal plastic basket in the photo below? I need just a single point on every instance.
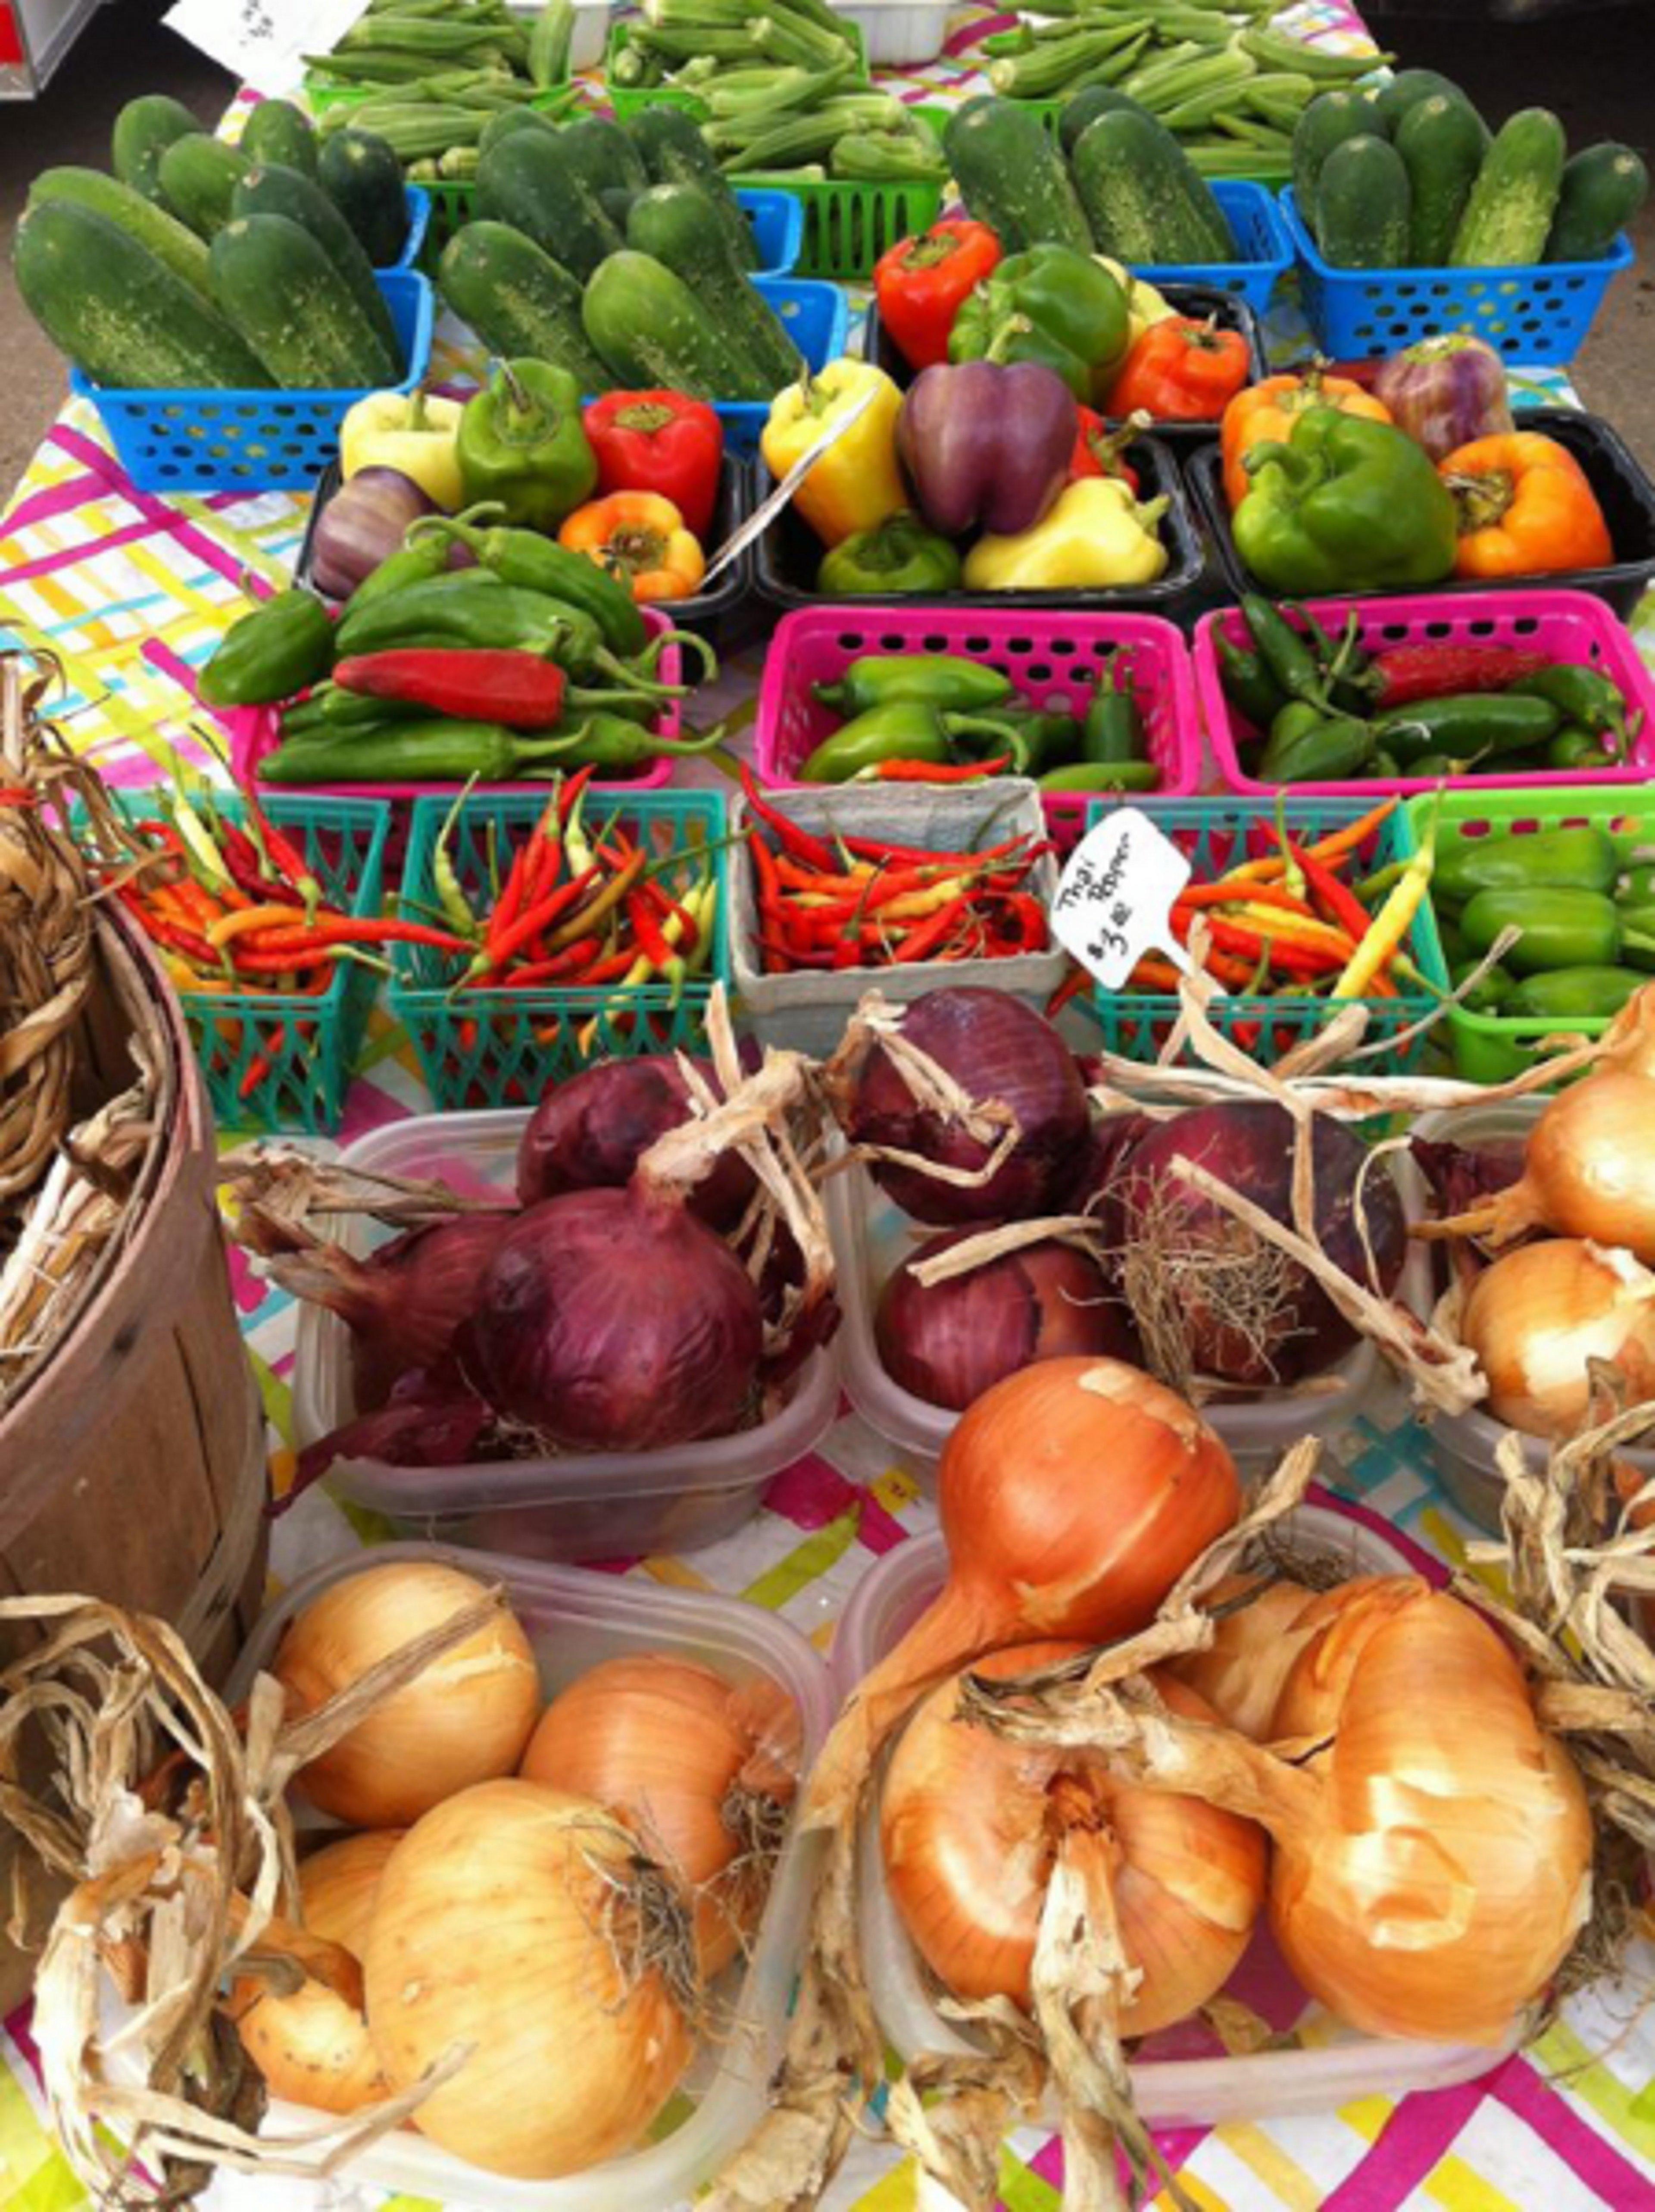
(502, 1047)
(1220, 833)
(283, 1060)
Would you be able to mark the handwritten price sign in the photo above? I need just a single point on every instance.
(264, 42)
(1114, 901)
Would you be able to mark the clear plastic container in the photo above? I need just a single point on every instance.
(591, 1505)
(574, 1621)
(1180, 2077)
(899, 33)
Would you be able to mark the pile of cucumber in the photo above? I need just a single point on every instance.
(1115, 181)
(203, 265)
(1410, 176)
(619, 252)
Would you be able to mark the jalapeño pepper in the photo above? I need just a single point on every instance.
(945, 680)
(1103, 775)
(283, 646)
(1581, 694)
(1284, 652)
(1575, 747)
(1250, 688)
(1581, 859)
(1560, 928)
(1315, 748)
(1574, 994)
(1112, 730)
(1039, 740)
(1466, 725)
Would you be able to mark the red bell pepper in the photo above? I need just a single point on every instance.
(921, 283)
(1182, 371)
(1098, 449)
(659, 441)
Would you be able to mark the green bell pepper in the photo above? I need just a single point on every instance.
(521, 445)
(1050, 305)
(1581, 859)
(1574, 994)
(898, 557)
(1562, 929)
(1344, 505)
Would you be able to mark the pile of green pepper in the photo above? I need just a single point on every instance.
(940, 717)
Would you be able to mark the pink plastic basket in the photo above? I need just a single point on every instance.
(1569, 626)
(1054, 657)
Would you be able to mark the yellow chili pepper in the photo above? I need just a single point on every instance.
(1291, 928)
(1391, 924)
(245, 919)
(857, 483)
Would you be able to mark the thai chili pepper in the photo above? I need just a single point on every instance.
(1438, 670)
(915, 771)
(921, 942)
(659, 441)
(537, 921)
(1390, 926)
(791, 836)
(921, 284)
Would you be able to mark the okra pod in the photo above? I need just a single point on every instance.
(1276, 50)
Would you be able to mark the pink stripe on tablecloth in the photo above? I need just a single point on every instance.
(970, 34)
(368, 1107)
(877, 1529)
(55, 499)
(811, 1493)
(18, 2028)
(1418, 2135)
(87, 450)
(1575, 2140)
(1178, 2146)
(246, 1288)
(69, 556)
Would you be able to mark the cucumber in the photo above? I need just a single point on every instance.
(1010, 177)
(277, 283)
(1085, 106)
(618, 204)
(669, 144)
(1405, 90)
(1509, 215)
(508, 119)
(1144, 202)
(363, 178)
(1441, 141)
(121, 315)
(167, 238)
(519, 300)
(528, 180)
(652, 332)
(675, 225)
(270, 189)
(1363, 205)
(603, 155)
(144, 130)
(1330, 119)
(198, 177)
(277, 131)
(1603, 190)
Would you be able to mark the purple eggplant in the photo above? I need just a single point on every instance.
(361, 525)
(1445, 391)
(987, 445)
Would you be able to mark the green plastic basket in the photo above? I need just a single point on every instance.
(484, 1049)
(275, 1059)
(1217, 834)
(1492, 1048)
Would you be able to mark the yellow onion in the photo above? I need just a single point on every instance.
(701, 1769)
(1537, 1315)
(313, 2046)
(1589, 1166)
(464, 1718)
(531, 1926)
(970, 1826)
(1241, 1672)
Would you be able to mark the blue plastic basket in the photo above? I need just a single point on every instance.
(1263, 249)
(777, 222)
(418, 203)
(817, 318)
(172, 441)
(1534, 312)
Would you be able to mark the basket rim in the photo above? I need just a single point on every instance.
(1620, 256)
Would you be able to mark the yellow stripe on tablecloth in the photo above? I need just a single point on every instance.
(1198, 2192)
(216, 613)
(111, 709)
(1367, 2116)
(1272, 2165)
(254, 554)
(1566, 2065)
(803, 1564)
(1453, 2184)
(678, 1574)
(898, 2192)
(895, 1490)
(35, 2175)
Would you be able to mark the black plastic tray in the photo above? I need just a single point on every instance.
(789, 554)
(1624, 492)
(734, 506)
(1227, 309)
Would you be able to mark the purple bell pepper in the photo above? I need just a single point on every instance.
(987, 445)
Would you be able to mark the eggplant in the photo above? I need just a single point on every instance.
(361, 525)
(987, 445)
(1445, 391)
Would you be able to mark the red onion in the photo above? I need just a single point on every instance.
(1460, 1174)
(361, 525)
(431, 1420)
(1108, 1146)
(1241, 1311)
(1445, 391)
(949, 1342)
(615, 1321)
(590, 1134)
(998, 1051)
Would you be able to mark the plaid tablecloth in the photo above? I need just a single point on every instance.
(125, 589)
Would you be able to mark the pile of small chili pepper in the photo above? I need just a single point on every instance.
(836, 901)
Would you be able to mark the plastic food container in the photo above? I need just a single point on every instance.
(1624, 492)
(1539, 312)
(809, 1010)
(899, 33)
(610, 1505)
(1055, 659)
(246, 441)
(574, 1622)
(1564, 625)
(1181, 2077)
(790, 553)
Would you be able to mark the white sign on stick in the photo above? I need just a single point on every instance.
(264, 42)
(1115, 896)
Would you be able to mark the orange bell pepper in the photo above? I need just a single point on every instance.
(1526, 508)
(641, 537)
(1270, 410)
(1181, 371)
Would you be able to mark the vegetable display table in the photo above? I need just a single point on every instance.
(130, 591)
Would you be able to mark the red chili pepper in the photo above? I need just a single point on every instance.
(350, 929)
(659, 441)
(518, 689)
(1098, 449)
(647, 929)
(1077, 980)
(1440, 670)
(921, 284)
(1301, 962)
(791, 836)
(531, 924)
(1341, 902)
(913, 771)
(920, 942)
(194, 947)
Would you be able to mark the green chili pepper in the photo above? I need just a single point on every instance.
(1327, 749)
(281, 647)
(445, 750)
(1585, 695)
(1581, 994)
(1342, 662)
(1103, 775)
(1384, 766)
(1466, 725)
(1637, 886)
(1113, 729)
(428, 557)
(903, 729)
(530, 562)
(1250, 688)
(612, 741)
(1284, 652)
(465, 610)
(1575, 746)
(1560, 928)
(1578, 859)
(945, 680)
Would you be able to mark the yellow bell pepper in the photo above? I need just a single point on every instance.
(1144, 305)
(857, 483)
(412, 432)
(1095, 535)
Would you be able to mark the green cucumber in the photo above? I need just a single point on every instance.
(505, 120)
(167, 238)
(144, 130)
(362, 175)
(277, 283)
(1603, 189)
(603, 153)
(652, 332)
(1330, 119)
(529, 181)
(1405, 91)
(277, 131)
(1085, 106)
(122, 316)
(1509, 215)
(198, 177)
(1143, 201)
(671, 146)
(1011, 176)
(1363, 205)
(674, 224)
(1441, 141)
(270, 189)
(519, 300)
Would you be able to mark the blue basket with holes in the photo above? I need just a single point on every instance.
(817, 318)
(1264, 251)
(417, 201)
(249, 441)
(1533, 313)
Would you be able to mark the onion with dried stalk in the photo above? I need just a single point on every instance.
(1543, 1320)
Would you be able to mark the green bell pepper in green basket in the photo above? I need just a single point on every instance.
(1560, 928)
(1050, 305)
(1581, 859)
(1344, 505)
(897, 557)
(1572, 994)
(521, 445)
